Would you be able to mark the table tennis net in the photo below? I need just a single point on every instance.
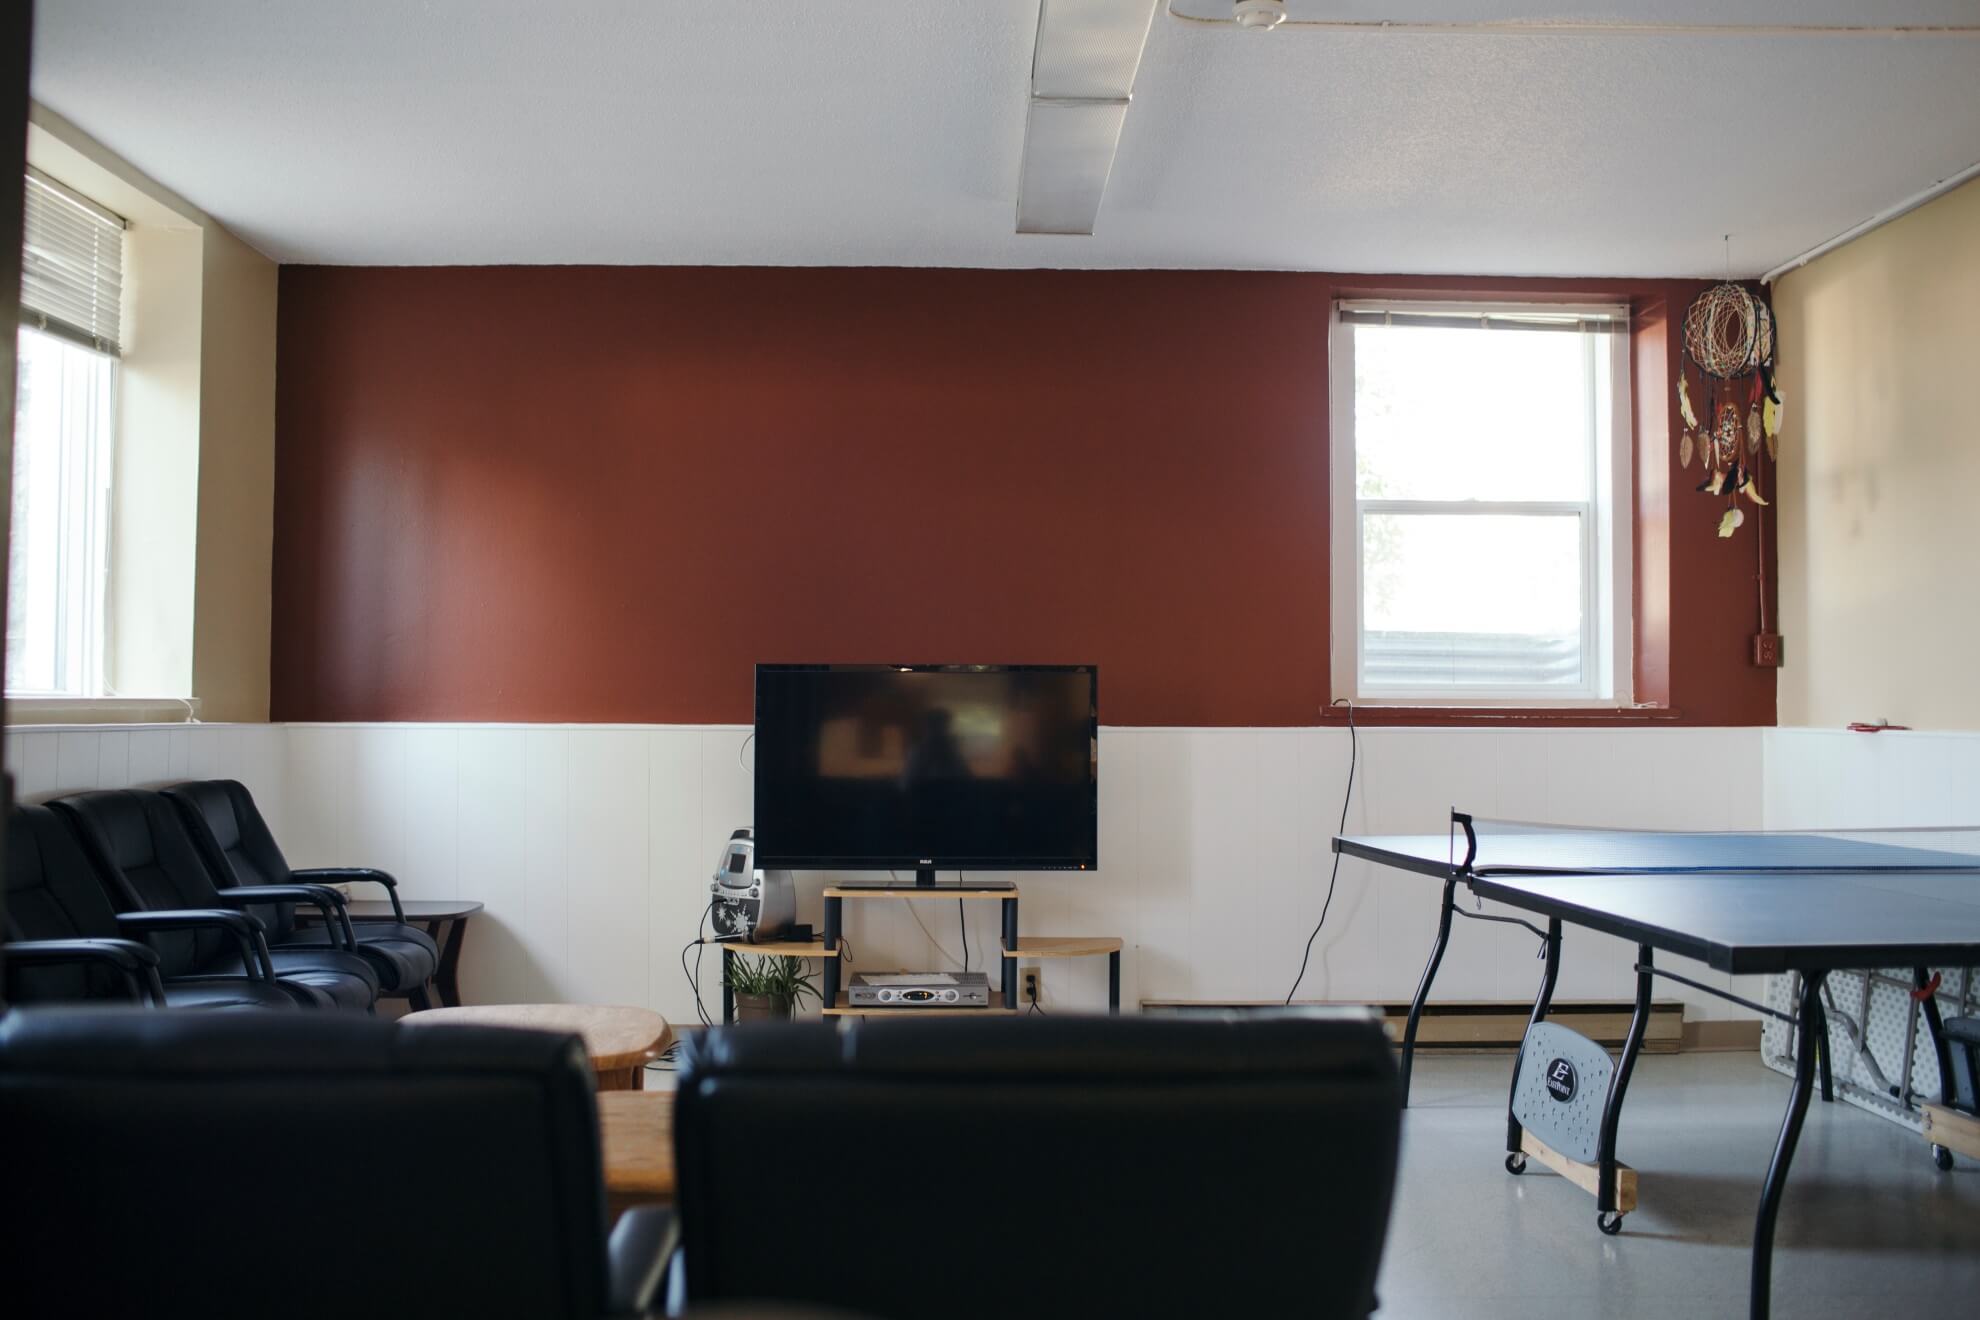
(1506, 847)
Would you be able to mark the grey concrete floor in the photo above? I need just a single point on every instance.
(1868, 1226)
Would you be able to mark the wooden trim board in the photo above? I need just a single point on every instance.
(1483, 1024)
(1584, 1176)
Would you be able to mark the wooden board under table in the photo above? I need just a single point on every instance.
(1957, 1132)
(636, 1129)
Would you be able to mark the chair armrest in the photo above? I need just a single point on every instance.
(354, 875)
(636, 1258)
(326, 901)
(245, 927)
(137, 963)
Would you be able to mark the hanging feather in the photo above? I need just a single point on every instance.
(1716, 483)
(1752, 430)
(1730, 522)
(1770, 416)
(1752, 491)
(1773, 447)
(1684, 403)
(1686, 445)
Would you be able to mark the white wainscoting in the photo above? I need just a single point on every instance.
(592, 846)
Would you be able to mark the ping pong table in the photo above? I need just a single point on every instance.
(1806, 903)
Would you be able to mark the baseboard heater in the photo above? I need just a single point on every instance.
(1481, 1024)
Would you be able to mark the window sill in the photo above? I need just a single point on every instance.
(1394, 714)
(23, 711)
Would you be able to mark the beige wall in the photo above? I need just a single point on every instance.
(236, 480)
(1880, 475)
(194, 489)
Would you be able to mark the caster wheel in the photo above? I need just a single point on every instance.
(1516, 1163)
(1942, 1157)
(1609, 1222)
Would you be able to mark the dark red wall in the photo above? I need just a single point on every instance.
(602, 494)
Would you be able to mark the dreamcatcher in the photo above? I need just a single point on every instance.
(1729, 337)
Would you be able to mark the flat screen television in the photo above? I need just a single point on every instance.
(927, 768)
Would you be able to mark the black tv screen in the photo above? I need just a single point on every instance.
(927, 767)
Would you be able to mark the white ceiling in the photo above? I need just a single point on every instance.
(888, 132)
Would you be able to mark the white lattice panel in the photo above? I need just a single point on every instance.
(1878, 1007)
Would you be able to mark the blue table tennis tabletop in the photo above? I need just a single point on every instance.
(1741, 903)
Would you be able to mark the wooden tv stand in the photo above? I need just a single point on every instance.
(1003, 1001)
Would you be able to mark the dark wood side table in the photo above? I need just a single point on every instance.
(445, 920)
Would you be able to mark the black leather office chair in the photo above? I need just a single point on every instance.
(1148, 1166)
(138, 1179)
(147, 861)
(238, 849)
(65, 943)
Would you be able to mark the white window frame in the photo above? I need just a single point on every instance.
(1607, 523)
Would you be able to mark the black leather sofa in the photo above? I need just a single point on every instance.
(139, 1177)
(980, 1169)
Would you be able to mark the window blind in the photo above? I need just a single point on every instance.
(72, 266)
(1498, 316)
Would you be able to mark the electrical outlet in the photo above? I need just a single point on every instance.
(1027, 985)
(1767, 650)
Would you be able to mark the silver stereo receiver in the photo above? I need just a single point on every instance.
(919, 990)
(746, 903)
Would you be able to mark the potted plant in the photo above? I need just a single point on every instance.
(768, 989)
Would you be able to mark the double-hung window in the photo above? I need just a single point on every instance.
(1481, 529)
(64, 429)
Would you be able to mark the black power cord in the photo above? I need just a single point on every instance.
(698, 943)
(1354, 755)
(962, 920)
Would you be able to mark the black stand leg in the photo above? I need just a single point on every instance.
(416, 999)
(1010, 944)
(1423, 986)
(728, 991)
(831, 969)
(1551, 951)
(1607, 1217)
(447, 979)
(1114, 982)
(1808, 1023)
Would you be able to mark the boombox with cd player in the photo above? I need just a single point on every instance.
(746, 903)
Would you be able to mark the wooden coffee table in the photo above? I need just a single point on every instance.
(620, 1039)
(636, 1132)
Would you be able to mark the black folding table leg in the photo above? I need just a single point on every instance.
(1608, 1217)
(1822, 1055)
(1423, 985)
(1551, 951)
(1114, 982)
(1808, 1020)
(1928, 1000)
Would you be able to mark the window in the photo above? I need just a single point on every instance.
(64, 425)
(1480, 524)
